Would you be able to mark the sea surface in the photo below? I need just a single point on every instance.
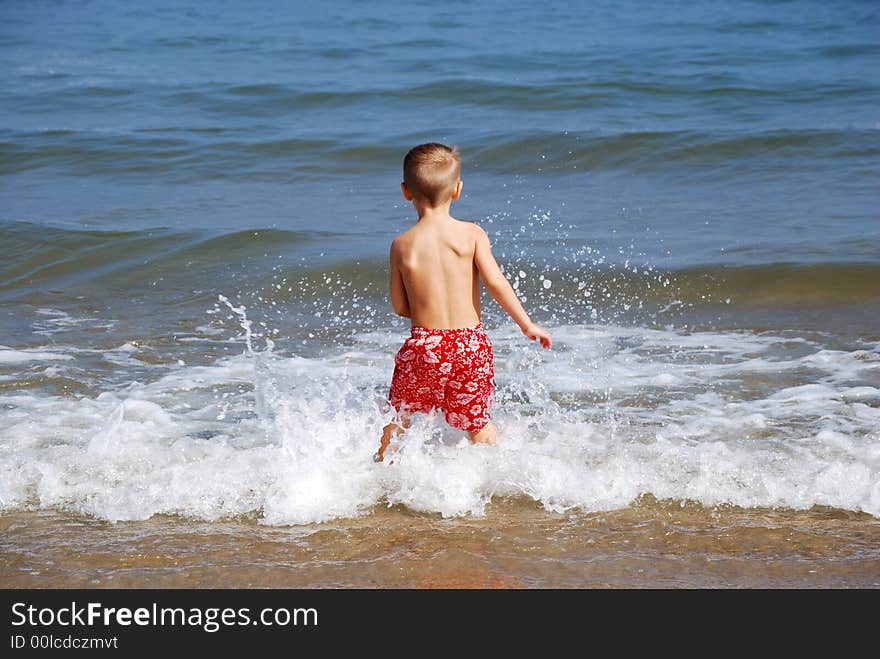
(196, 204)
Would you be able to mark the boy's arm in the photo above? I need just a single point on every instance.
(502, 291)
(399, 300)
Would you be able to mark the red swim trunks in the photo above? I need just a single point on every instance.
(446, 369)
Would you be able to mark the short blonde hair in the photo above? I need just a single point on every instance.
(431, 172)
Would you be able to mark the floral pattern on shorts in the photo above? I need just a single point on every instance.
(452, 370)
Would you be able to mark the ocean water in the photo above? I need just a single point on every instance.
(196, 203)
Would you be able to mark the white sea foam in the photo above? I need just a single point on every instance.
(610, 414)
(56, 321)
(10, 356)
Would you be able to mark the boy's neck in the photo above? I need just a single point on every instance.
(433, 212)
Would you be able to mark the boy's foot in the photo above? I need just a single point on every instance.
(379, 456)
(486, 435)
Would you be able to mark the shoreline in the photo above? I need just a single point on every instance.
(652, 544)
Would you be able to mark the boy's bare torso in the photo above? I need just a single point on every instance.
(436, 261)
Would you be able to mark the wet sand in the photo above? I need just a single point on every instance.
(516, 545)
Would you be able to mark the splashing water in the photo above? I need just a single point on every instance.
(614, 412)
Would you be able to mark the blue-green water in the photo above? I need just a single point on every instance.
(686, 193)
(708, 132)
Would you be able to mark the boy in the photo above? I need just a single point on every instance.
(447, 363)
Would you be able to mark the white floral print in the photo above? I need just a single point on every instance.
(450, 370)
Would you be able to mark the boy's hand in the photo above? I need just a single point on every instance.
(535, 331)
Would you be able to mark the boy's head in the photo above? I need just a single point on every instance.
(432, 174)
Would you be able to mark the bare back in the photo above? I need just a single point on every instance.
(435, 261)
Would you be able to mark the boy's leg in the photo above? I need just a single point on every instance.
(485, 435)
(476, 367)
(394, 429)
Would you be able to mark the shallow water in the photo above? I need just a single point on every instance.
(650, 545)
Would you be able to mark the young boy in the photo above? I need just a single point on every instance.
(447, 363)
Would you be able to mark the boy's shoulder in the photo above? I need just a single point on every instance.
(473, 230)
(403, 236)
(456, 225)
(470, 228)
(477, 228)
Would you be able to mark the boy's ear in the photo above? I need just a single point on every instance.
(406, 193)
(457, 192)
